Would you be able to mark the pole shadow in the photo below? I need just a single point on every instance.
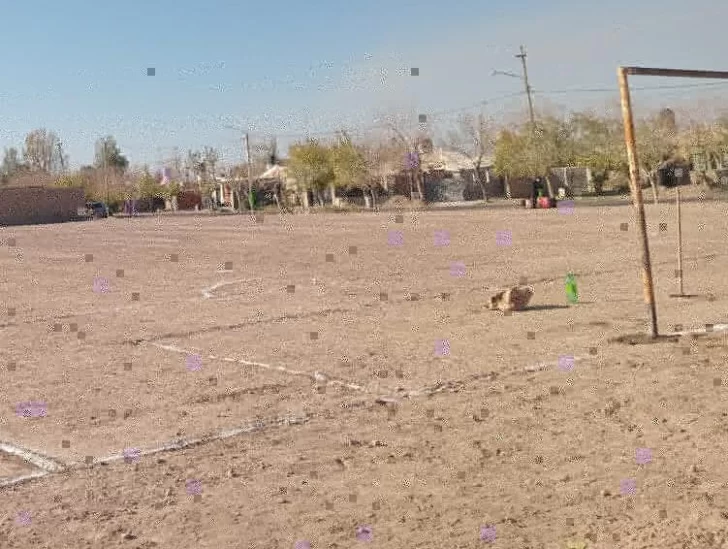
(545, 307)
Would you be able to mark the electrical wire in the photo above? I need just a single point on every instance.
(632, 88)
(502, 97)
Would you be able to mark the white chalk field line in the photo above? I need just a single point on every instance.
(316, 376)
(182, 443)
(178, 444)
(34, 458)
(714, 328)
(207, 292)
(7, 482)
(50, 466)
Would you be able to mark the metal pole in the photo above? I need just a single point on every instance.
(106, 175)
(60, 155)
(629, 139)
(679, 241)
(250, 173)
(522, 56)
(676, 73)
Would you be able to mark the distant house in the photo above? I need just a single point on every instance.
(225, 192)
(276, 180)
(449, 176)
(673, 172)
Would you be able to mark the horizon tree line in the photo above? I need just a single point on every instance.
(516, 150)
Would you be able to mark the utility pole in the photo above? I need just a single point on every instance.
(106, 174)
(522, 57)
(60, 157)
(250, 172)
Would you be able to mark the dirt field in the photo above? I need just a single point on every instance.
(343, 377)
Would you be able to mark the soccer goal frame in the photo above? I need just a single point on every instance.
(622, 75)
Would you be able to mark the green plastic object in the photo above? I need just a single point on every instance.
(571, 292)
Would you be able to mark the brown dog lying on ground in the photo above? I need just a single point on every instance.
(512, 299)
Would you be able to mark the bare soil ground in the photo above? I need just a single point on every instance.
(320, 342)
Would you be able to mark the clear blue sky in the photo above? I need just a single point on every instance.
(79, 68)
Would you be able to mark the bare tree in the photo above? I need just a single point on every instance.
(196, 164)
(476, 138)
(176, 163)
(412, 146)
(42, 151)
(378, 159)
(11, 165)
(264, 154)
(210, 157)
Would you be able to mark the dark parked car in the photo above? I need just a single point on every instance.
(97, 209)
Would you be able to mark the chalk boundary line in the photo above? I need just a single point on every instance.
(53, 467)
(50, 466)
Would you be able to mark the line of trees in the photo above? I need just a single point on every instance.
(42, 153)
(324, 167)
(110, 177)
(521, 150)
(516, 150)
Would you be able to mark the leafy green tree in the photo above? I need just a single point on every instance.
(70, 180)
(149, 187)
(705, 143)
(171, 189)
(598, 143)
(349, 164)
(88, 180)
(531, 152)
(584, 140)
(657, 141)
(310, 164)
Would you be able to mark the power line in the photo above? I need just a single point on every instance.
(484, 102)
(636, 88)
(384, 124)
